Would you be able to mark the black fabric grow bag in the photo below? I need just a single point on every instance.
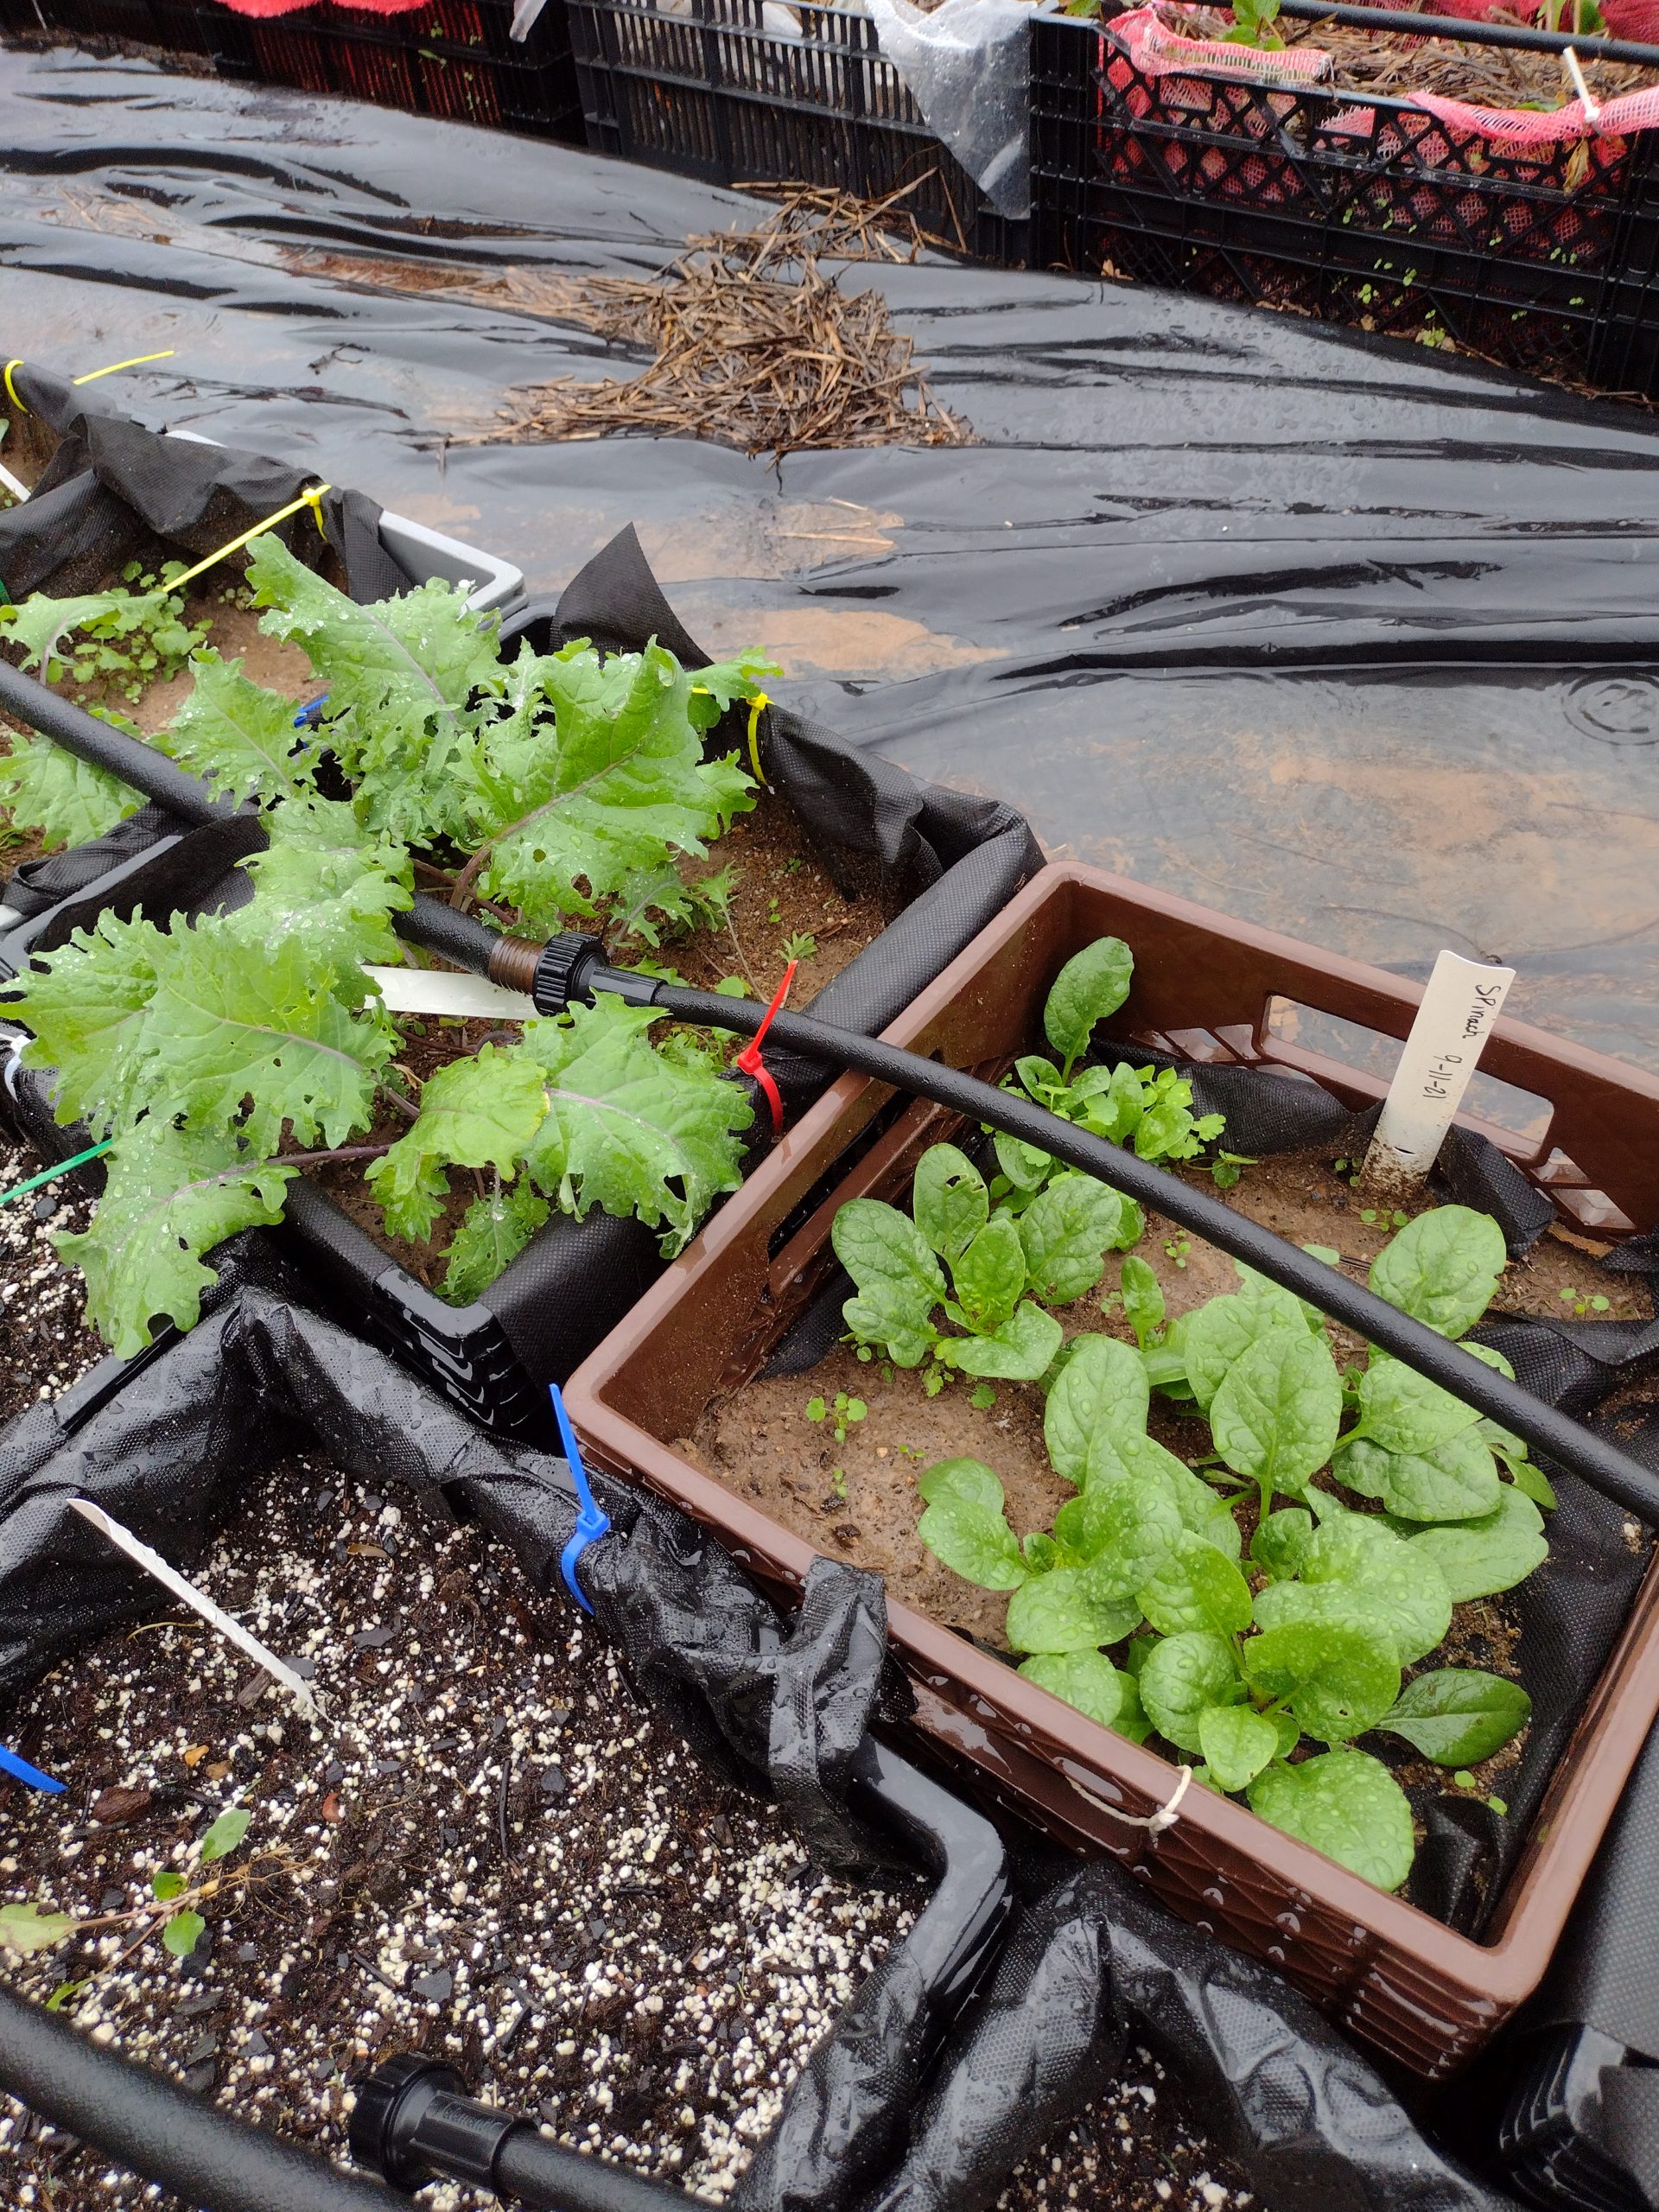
(171, 1442)
(963, 857)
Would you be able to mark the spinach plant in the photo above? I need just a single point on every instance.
(999, 1263)
(224, 1057)
(1234, 1659)
(1149, 1109)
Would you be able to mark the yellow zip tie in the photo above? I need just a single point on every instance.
(312, 499)
(136, 362)
(758, 701)
(11, 388)
(756, 707)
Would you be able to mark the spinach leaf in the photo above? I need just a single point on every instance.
(1167, 1128)
(1477, 1559)
(1085, 1679)
(1101, 1396)
(1026, 1168)
(1280, 1540)
(1358, 1559)
(1110, 1104)
(1237, 1744)
(1143, 1300)
(1274, 1418)
(1041, 1553)
(1092, 984)
(990, 1276)
(1337, 1678)
(1196, 1587)
(1021, 1351)
(949, 1200)
(1224, 1329)
(1442, 1269)
(1403, 1411)
(899, 1281)
(1347, 1805)
(964, 1525)
(1182, 1677)
(1140, 1525)
(1059, 1612)
(1201, 1511)
(1066, 1231)
(1458, 1716)
(1456, 1481)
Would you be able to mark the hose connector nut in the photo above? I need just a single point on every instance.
(563, 971)
(386, 2119)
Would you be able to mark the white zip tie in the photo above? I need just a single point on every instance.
(170, 1578)
(1592, 107)
(19, 492)
(1154, 1823)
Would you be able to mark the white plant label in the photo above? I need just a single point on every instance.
(428, 990)
(198, 1601)
(1463, 1001)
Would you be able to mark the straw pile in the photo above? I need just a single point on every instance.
(752, 344)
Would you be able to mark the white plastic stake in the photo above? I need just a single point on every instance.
(170, 1578)
(1463, 1001)
(431, 990)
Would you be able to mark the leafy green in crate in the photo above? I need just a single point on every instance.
(1240, 1661)
(224, 1057)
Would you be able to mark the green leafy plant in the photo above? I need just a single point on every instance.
(1253, 25)
(984, 1268)
(844, 1413)
(172, 1910)
(1234, 1661)
(224, 1057)
(804, 946)
(1149, 1109)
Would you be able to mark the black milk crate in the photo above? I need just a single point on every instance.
(452, 59)
(1544, 259)
(717, 90)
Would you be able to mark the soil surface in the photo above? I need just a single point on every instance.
(488, 1852)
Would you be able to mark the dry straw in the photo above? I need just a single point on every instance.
(754, 344)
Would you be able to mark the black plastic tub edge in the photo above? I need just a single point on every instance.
(1545, 260)
(713, 93)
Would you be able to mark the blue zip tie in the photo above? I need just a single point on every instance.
(591, 1523)
(307, 717)
(21, 1770)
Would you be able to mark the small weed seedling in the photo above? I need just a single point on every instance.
(1583, 1302)
(803, 946)
(172, 1908)
(845, 1412)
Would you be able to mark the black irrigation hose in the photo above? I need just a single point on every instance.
(438, 928)
(1404, 23)
(1567, 1441)
(155, 2128)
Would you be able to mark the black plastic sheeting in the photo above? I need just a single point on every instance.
(1347, 638)
(775, 1706)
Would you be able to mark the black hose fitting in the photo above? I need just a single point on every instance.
(571, 968)
(413, 2124)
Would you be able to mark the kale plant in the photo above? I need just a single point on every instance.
(223, 1057)
(1232, 1661)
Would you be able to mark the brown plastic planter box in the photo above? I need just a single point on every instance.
(1205, 986)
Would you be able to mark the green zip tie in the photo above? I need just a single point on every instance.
(51, 1174)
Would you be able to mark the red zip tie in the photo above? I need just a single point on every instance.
(749, 1058)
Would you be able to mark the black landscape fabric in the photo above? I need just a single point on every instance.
(1348, 638)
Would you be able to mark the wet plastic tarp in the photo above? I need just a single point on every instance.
(1348, 638)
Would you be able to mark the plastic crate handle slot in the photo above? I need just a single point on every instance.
(592, 1523)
